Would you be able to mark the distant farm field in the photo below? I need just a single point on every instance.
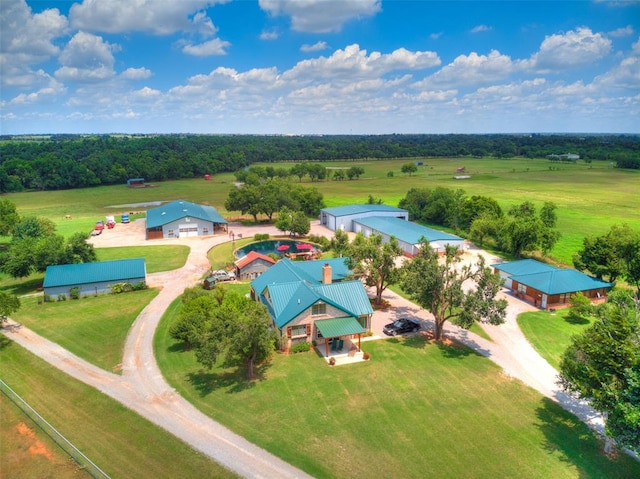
(590, 197)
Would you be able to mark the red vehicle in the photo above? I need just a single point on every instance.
(99, 225)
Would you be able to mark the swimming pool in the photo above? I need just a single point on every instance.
(279, 247)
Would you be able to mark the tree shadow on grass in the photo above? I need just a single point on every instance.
(234, 381)
(576, 320)
(4, 341)
(569, 439)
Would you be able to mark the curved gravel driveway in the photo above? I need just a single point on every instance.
(143, 389)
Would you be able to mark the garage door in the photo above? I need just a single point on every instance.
(189, 229)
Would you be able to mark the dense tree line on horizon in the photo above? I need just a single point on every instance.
(76, 161)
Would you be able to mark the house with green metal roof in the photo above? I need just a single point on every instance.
(314, 301)
(342, 217)
(407, 233)
(181, 219)
(546, 286)
(92, 278)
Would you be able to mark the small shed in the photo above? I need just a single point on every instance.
(92, 278)
(135, 182)
(181, 219)
(253, 265)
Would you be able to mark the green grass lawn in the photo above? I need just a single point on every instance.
(416, 409)
(157, 258)
(94, 327)
(119, 441)
(550, 334)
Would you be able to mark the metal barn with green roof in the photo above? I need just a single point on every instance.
(93, 278)
(180, 219)
(546, 286)
(407, 233)
(308, 300)
(342, 217)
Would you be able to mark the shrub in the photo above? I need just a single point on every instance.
(74, 293)
(140, 286)
(300, 348)
(47, 298)
(261, 236)
(581, 307)
(62, 297)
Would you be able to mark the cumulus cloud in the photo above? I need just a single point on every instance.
(321, 16)
(471, 70)
(135, 74)
(572, 49)
(27, 39)
(209, 48)
(159, 17)
(48, 93)
(352, 64)
(622, 32)
(86, 58)
(316, 47)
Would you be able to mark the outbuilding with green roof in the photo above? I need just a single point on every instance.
(181, 219)
(546, 286)
(342, 217)
(88, 279)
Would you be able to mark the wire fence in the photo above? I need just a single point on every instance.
(86, 463)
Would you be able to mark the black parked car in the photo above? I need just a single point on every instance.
(402, 325)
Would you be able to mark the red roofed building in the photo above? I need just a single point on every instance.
(252, 265)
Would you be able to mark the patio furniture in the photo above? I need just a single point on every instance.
(334, 344)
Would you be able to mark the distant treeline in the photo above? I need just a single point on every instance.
(68, 161)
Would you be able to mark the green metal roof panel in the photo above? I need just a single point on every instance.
(179, 209)
(339, 269)
(284, 271)
(350, 296)
(103, 271)
(357, 209)
(332, 328)
(405, 230)
(523, 266)
(289, 300)
(561, 281)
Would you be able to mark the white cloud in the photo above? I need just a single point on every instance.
(481, 28)
(86, 58)
(159, 17)
(135, 73)
(27, 39)
(269, 35)
(573, 49)
(435, 35)
(209, 48)
(470, 70)
(45, 94)
(352, 64)
(622, 32)
(321, 16)
(316, 47)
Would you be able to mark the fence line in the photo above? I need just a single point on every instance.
(54, 434)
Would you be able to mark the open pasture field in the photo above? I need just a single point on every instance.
(416, 409)
(118, 440)
(590, 197)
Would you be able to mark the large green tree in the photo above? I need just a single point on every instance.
(613, 255)
(237, 329)
(439, 287)
(9, 217)
(523, 230)
(375, 261)
(603, 365)
(9, 303)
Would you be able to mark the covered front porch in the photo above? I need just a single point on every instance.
(341, 340)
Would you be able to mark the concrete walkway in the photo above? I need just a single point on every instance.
(143, 389)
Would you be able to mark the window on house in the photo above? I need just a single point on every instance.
(298, 330)
(318, 309)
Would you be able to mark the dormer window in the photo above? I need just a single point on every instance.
(319, 309)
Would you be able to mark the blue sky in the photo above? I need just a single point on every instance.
(319, 66)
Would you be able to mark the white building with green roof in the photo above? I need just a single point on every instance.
(92, 278)
(182, 219)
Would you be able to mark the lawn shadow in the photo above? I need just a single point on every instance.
(574, 320)
(234, 381)
(4, 341)
(572, 442)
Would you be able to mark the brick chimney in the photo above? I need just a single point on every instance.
(326, 274)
